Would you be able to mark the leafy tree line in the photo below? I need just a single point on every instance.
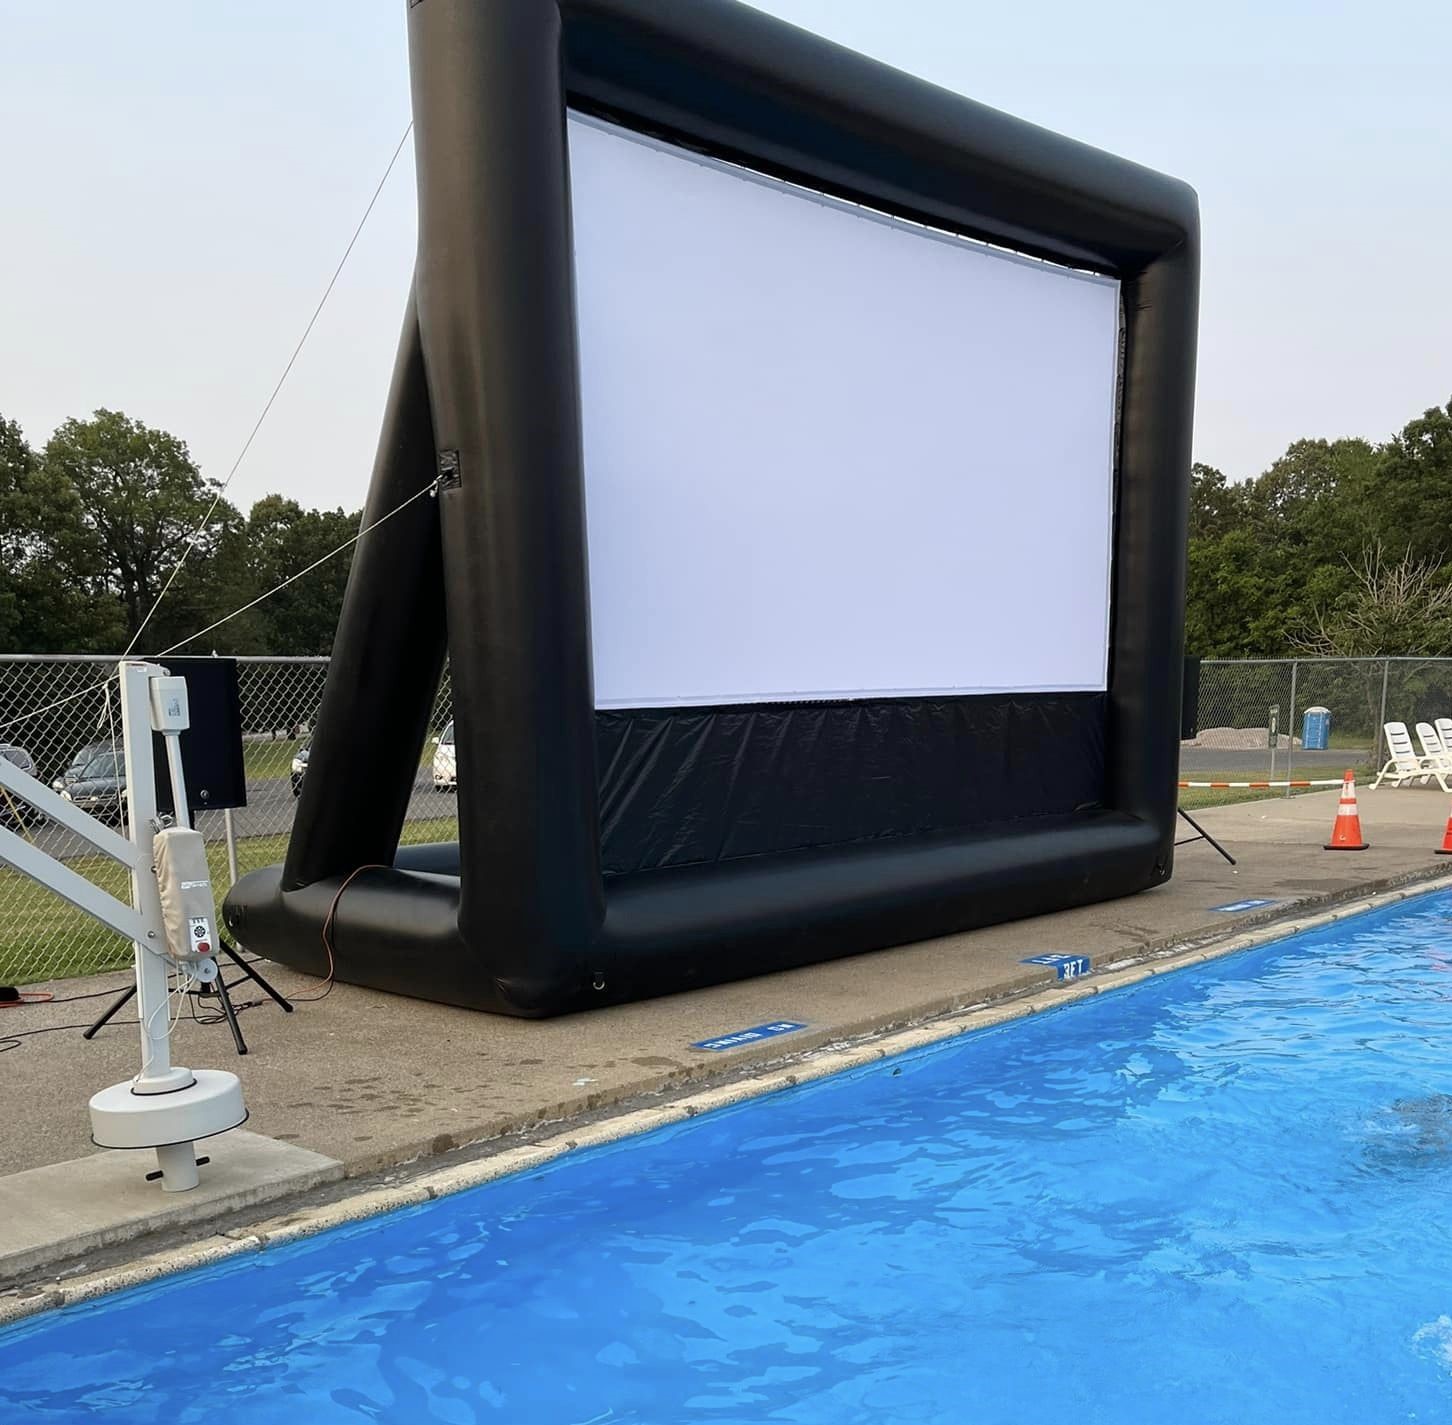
(92, 525)
(1340, 549)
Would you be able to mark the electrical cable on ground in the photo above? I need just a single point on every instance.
(219, 1017)
(329, 981)
(51, 998)
(11, 1040)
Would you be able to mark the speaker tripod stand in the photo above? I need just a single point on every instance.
(218, 989)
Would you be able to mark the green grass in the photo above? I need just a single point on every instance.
(1194, 798)
(264, 760)
(269, 759)
(41, 935)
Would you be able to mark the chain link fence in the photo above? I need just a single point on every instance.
(60, 721)
(1252, 713)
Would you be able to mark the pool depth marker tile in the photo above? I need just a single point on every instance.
(1065, 967)
(753, 1035)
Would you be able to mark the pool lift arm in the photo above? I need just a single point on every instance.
(171, 922)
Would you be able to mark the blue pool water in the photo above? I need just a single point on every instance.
(1224, 1195)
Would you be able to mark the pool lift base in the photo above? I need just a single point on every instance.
(130, 1116)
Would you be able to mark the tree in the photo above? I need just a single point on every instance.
(283, 539)
(1230, 609)
(1312, 483)
(1266, 554)
(45, 602)
(1308, 514)
(134, 502)
(1401, 609)
(1413, 505)
(1216, 506)
(93, 530)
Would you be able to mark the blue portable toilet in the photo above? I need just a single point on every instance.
(1316, 729)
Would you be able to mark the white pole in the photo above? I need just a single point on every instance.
(178, 1164)
(231, 846)
(152, 990)
(181, 811)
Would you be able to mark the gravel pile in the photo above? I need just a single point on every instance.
(1239, 739)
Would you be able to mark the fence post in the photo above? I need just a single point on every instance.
(1291, 745)
(231, 831)
(1376, 755)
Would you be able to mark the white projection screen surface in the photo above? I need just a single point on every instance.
(829, 454)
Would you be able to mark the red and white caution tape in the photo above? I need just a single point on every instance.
(1261, 786)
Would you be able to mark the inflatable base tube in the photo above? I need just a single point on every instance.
(665, 931)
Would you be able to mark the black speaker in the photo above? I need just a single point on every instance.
(1190, 701)
(211, 747)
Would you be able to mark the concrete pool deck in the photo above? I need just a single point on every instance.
(394, 1089)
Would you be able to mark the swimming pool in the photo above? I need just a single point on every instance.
(1220, 1195)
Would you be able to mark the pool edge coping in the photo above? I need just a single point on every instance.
(427, 1184)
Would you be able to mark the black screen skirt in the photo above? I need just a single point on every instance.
(690, 786)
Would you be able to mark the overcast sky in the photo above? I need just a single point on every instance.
(179, 179)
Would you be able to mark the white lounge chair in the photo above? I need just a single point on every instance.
(1444, 730)
(1435, 756)
(1405, 765)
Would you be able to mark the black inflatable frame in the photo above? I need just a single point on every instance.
(562, 892)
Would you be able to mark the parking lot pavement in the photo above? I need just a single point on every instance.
(269, 812)
(1257, 762)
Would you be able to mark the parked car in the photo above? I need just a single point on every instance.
(81, 758)
(12, 808)
(446, 767)
(300, 767)
(99, 785)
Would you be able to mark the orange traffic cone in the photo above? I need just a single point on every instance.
(1445, 849)
(1346, 829)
